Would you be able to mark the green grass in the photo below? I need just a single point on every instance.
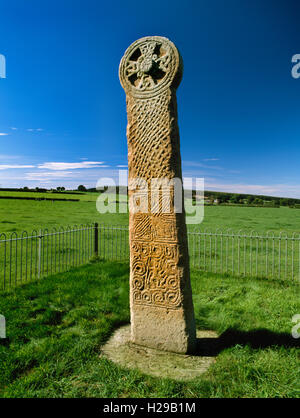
(56, 328)
(251, 218)
(52, 195)
(19, 215)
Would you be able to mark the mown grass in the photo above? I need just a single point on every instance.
(19, 215)
(56, 327)
(82, 196)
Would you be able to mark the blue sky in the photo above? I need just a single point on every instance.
(63, 115)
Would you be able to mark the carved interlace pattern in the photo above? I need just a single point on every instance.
(149, 66)
(156, 277)
(158, 249)
(151, 149)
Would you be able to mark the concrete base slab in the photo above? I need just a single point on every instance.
(123, 352)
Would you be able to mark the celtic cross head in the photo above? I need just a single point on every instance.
(149, 65)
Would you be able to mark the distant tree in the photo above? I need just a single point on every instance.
(81, 188)
(283, 202)
(291, 202)
(240, 198)
(258, 201)
(40, 190)
(237, 198)
(270, 203)
(60, 189)
(226, 197)
(250, 199)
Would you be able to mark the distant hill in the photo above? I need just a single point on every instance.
(212, 197)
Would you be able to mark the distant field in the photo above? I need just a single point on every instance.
(19, 215)
(16, 215)
(251, 218)
(50, 195)
(215, 253)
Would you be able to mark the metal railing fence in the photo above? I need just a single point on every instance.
(25, 257)
(266, 255)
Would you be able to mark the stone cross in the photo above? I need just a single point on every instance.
(162, 313)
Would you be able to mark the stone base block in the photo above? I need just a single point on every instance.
(123, 352)
(164, 329)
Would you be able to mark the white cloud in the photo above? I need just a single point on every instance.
(192, 164)
(13, 128)
(122, 166)
(3, 134)
(281, 190)
(200, 165)
(9, 166)
(52, 178)
(211, 159)
(71, 166)
(69, 179)
(42, 176)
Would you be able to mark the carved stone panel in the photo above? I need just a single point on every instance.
(162, 314)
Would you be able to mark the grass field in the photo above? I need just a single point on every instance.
(19, 215)
(86, 196)
(56, 328)
(254, 257)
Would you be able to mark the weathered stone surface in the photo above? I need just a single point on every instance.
(151, 361)
(162, 313)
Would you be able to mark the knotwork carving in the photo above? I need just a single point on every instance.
(156, 278)
(149, 66)
(155, 254)
(149, 72)
(160, 292)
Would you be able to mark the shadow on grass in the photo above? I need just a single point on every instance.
(211, 347)
(5, 342)
(257, 339)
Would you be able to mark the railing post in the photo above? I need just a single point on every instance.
(40, 254)
(96, 239)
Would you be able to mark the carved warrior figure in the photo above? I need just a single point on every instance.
(162, 313)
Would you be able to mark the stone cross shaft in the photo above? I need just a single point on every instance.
(162, 313)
